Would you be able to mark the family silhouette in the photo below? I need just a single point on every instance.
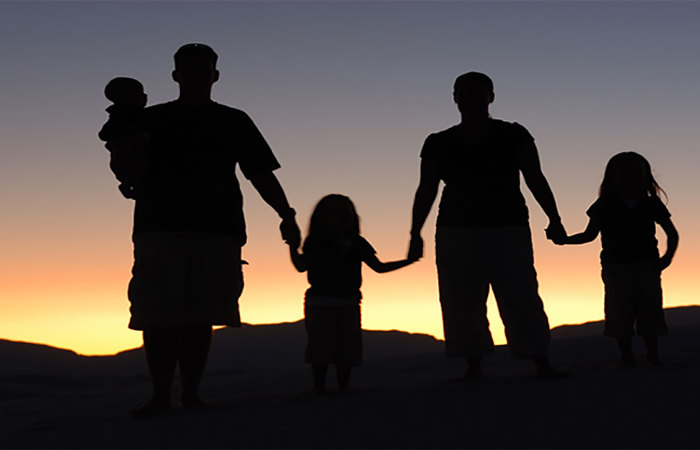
(177, 161)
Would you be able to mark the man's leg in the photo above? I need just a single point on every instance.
(213, 283)
(514, 282)
(155, 292)
(474, 368)
(652, 344)
(194, 352)
(318, 372)
(161, 346)
(343, 372)
(626, 353)
(464, 289)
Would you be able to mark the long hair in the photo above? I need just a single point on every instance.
(622, 161)
(330, 205)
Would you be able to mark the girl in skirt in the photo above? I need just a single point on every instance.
(332, 256)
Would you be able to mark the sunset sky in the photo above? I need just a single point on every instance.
(345, 93)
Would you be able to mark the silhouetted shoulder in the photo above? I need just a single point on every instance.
(364, 247)
(214, 124)
(231, 112)
(213, 110)
(256, 155)
(438, 141)
(514, 130)
(159, 108)
(446, 134)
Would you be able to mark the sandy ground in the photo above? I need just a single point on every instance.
(406, 395)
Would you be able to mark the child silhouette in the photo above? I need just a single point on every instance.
(625, 214)
(333, 253)
(126, 122)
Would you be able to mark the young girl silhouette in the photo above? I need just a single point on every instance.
(332, 255)
(625, 214)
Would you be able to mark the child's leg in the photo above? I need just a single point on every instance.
(343, 373)
(625, 346)
(652, 343)
(319, 372)
(348, 342)
(651, 323)
(621, 305)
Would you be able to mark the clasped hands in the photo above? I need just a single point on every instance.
(290, 231)
(556, 233)
(415, 248)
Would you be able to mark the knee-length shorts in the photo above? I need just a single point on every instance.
(633, 297)
(185, 278)
(470, 260)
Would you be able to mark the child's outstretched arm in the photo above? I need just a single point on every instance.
(671, 242)
(382, 267)
(589, 234)
(297, 259)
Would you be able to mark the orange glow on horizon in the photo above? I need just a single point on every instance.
(69, 291)
(406, 300)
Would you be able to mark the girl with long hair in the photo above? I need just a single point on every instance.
(332, 256)
(625, 214)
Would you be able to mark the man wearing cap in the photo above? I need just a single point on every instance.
(189, 226)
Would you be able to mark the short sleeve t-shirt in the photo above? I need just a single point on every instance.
(334, 268)
(192, 182)
(482, 180)
(628, 233)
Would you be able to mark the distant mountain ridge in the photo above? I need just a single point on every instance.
(257, 347)
(676, 317)
(252, 346)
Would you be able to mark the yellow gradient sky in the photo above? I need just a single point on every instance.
(345, 92)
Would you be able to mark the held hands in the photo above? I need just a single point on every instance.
(415, 248)
(556, 233)
(290, 232)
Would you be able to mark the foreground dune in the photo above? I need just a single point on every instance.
(407, 395)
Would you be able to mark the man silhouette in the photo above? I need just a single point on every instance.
(189, 226)
(483, 235)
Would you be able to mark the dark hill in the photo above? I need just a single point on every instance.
(251, 346)
(258, 347)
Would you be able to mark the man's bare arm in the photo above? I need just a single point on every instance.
(538, 185)
(422, 204)
(270, 189)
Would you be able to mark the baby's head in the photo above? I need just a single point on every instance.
(125, 91)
